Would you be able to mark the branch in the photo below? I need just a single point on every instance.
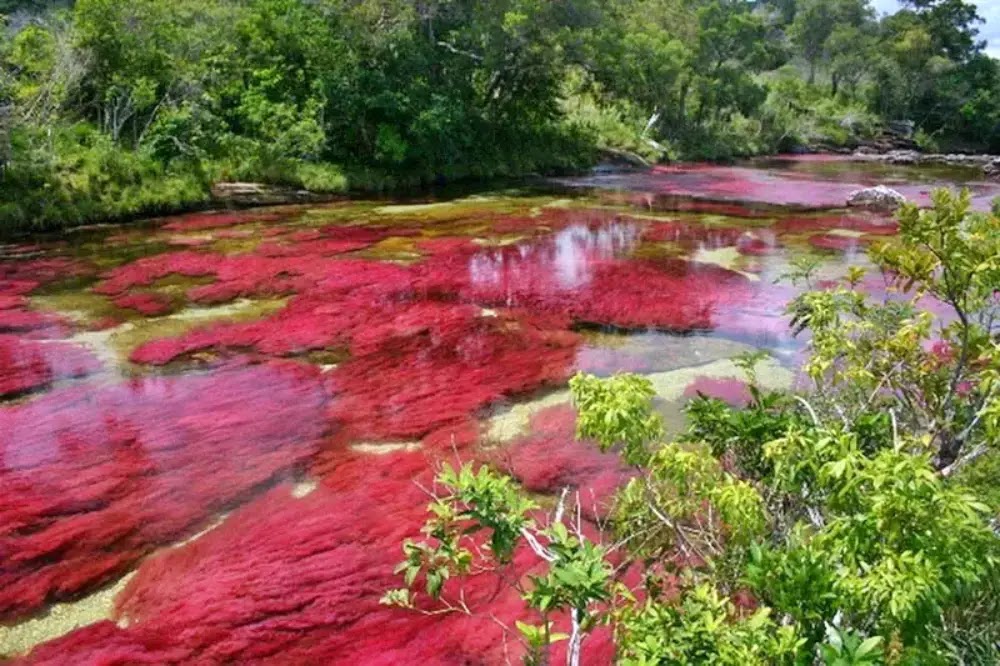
(457, 51)
(812, 412)
(969, 457)
(537, 547)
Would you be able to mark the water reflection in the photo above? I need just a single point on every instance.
(567, 256)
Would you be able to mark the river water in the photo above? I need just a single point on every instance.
(216, 429)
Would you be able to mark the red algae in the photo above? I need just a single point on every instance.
(28, 365)
(837, 243)
(93, 478)
(297, 581)
(551, 458)
(203, 221)
(408, 386)
(733, 391)
(148, 304)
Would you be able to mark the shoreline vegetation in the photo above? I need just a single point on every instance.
(112, 110)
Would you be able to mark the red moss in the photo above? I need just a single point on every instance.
(297, 581)
(27, 365)
(202, 221)
(145, 303)
(551, 459)
(837, 243)
(408, 386)
(95, 477)
(733, 391)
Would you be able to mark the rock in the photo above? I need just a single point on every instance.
(881, 197)
(906, 157)
(260, 194)
(613, 159)
(992, 170)
(902, 128)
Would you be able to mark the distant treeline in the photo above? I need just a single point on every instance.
(111, 108)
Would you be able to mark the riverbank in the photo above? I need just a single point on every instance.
(330, 183)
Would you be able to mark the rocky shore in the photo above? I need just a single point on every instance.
(990, 164)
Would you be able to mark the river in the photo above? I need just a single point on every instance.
(213, 426)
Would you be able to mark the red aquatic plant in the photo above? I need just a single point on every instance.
(550, 459)
(94, 477)
(146, 303)
(147, 270)
(693, 235)
(870, 223)
(672, 294)
(836, 243)
(203, 221)
(324, 242)
(756, 246)
(28, 365)
(408, 386)
(734, 391)
(24, 320)
(297, 581)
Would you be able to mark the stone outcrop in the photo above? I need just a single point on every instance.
(879, 198)
(259, 194)
(990, 164)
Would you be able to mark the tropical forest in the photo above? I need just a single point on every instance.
(500, 332)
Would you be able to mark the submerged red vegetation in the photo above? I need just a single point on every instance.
(550, 458)
(27, 365)
(93, 478)
(297, 581)
(733, 391)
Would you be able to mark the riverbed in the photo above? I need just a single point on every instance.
(216, 429)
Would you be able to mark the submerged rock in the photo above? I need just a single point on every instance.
(992, 170)
(880, 197)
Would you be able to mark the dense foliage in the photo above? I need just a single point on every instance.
(109, 108)
(854, 523)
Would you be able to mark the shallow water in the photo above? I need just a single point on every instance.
(282, 376)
